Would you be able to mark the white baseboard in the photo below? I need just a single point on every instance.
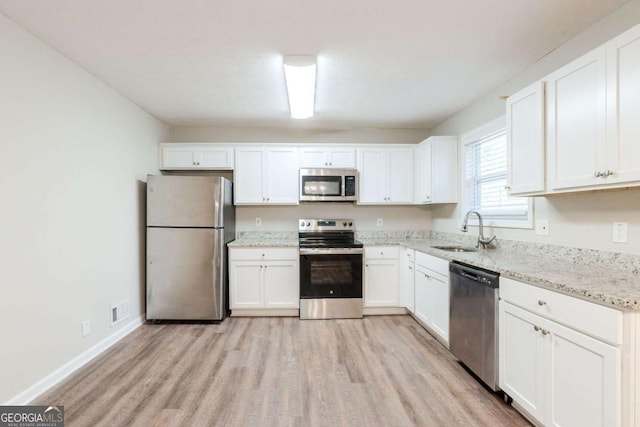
(74, 364)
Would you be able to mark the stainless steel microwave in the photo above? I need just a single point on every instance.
(328, 185)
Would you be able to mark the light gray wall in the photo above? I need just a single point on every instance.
(295, 135)
(582, 220)
(74, 158)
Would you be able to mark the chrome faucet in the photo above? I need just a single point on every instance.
(481, 239)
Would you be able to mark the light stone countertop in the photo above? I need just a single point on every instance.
(597, 282)
(606, 278)
(264, 243)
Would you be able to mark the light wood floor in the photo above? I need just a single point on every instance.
(379, 371)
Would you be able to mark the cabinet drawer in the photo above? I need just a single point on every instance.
(436, 264)
(263, 254)
(592, 319)
(381, 252)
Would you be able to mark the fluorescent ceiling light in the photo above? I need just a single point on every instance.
(300, 75)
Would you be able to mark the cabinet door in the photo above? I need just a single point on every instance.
(183, 157)
(525, 140)
(576, 104)
(439, 295)
(215, 158)
(400, 176)
(381, 283)
(282, 176)
(313, 157)
(281, 284)
(444, 169)
(521, 359)
(371, 164)
(422, 300)
(422, 174)
(341, 157)
(246, 284)
(409, 289)
(249, 176)
(623, 107)
(584, 380)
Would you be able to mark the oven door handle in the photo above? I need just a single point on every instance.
(331, 251)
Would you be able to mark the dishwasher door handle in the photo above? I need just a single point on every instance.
(468, 276)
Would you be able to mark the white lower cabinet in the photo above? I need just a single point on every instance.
(407, 280)
(263, 278)
(432, 294)
(381, 276)
(557, 375)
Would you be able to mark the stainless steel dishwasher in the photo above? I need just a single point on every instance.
(473, 322)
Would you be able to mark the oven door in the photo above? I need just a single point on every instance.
(331, 273)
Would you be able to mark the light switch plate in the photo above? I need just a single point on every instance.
(620, 232)
(542, 227)
(258, 222)
(379, 222)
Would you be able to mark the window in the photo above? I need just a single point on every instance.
(485, 178)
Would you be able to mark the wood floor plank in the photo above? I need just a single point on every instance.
(377, 371)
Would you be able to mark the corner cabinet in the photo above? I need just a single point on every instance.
(266, 176)
(202, 156)
(561, 357)
(386, 175)
(526, 141)
(436, 170)
(263, 278)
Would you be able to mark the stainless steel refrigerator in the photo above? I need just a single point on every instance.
(190, 220)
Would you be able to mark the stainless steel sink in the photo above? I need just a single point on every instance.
(456, 248)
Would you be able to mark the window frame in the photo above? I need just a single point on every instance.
(477, 134)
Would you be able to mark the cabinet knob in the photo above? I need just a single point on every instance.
(366, 265)
(545, 332)
(506, 187)
(598, 174)
(410, 268)
(536, 328)
(542, 302)
(330, 163)
(607, 173)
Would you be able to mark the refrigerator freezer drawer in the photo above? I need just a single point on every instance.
(185, 274)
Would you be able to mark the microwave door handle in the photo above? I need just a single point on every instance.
(343, 185)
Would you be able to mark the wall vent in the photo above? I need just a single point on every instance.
(119, 312)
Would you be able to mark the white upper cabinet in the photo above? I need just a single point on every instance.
(525, 141)
(576, 102)
(436, 170)
(266, 176)
(327, 157)
(386, 175)
(179, 156)
(623, 107)
(593, 105)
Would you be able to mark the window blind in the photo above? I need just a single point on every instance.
(486, 178)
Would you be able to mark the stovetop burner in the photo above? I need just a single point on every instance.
(327, 233)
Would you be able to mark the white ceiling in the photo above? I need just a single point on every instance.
(381, 63)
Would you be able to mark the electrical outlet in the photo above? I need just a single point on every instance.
(379, 222)
(542, 227)
(86, 328)
(258, 222)
(620, 232)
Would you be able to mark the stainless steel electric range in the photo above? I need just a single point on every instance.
(330, 269)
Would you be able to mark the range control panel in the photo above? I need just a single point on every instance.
(325, 225)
